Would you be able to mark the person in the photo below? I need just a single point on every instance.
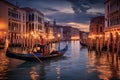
(42, 45)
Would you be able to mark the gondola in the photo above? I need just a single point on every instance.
(2, 46)
(31, 57)
(83, 44)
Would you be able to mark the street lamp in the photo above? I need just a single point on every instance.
(58, 35)
(59, 40)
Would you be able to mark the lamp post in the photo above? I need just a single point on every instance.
(58, 41)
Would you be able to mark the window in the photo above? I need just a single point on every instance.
(23, 17)
(32, 26)
(32, 17)
(97, 29)
(39, 27)
(9, 13)
(40, 19)
(29, 17)
(9, 25)
(101, 29)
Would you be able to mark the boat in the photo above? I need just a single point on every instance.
(2, 46)
(83, 44)
(32, 57)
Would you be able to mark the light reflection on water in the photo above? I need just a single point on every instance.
(77, 64)
(3, 65)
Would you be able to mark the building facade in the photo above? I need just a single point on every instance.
(96, 34)
(83, 35)
(112, 21)
(34, 20)
(13, 21)
(74, 33)
(49, 31)
(67, 33)
(16, 23)
(70, 33)
(97, 26)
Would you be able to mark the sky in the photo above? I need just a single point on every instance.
(76, 13)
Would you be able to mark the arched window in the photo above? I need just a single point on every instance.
(29, 17)
(32, 17)
(100, 28)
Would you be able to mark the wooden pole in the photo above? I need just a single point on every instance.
(59, 43)
(108, 45)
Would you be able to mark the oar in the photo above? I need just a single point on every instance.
(37, 58)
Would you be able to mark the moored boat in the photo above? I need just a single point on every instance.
(2, 46)
(83, 44)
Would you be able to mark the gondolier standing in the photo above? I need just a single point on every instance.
(42, 42)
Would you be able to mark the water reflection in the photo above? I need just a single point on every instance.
(58, 72)
(75, 50)
(106, 63)
(77, 64)
(3, 65)
(33, 73)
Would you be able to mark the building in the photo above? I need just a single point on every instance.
(70, 33)
(34, 20)
(58, 31)
(112, 21)
(49, 31)
(67, 33)
(97, 26)
(34, 26)
(83, 35)
(17, 23)
(12, 21)
(96, 34)
(74, 33)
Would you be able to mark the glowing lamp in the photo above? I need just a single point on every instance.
(58, 35)
(107, 35)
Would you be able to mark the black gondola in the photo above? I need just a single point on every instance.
(2, 46)
(31, 57)
(83, 44)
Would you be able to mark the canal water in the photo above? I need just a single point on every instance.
(77, 64)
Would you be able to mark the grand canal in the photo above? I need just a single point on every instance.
(77, 64)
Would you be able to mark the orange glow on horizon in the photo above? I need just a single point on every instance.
(82, 27)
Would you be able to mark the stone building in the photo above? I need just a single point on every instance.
(12, 22)
(49, 31)
(96, 34)
(34, 20)
(112, 21)
(70, 33)
(16, 23)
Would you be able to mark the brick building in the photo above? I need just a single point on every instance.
(96, 34)
(112, 21)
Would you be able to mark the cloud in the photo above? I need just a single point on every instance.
(47, 19)
(51, 9)
(95, 11)
(77, 12)
(82, 27)
(81, 6)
